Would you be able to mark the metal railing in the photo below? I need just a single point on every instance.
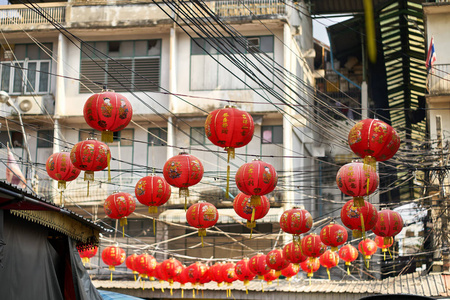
(17, 14)
(439, 79)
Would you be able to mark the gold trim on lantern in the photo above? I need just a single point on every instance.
(255, 200)
(356, 233)
(88, 175)
(153, 209)
(107, 136)
(358, 202)
(62, 184)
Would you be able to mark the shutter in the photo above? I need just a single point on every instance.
(92, 76)
(120, 75)
(147, 74)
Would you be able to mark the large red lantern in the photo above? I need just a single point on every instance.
(202, 215)
(229, 128)
(310, 266)
(107, 112)
(329, 259)
(145, 265)
(348, 253)
(152, 191)
(296, 221)
(383, 244)
(130, 262)
(60, 167)
(182, 171)
(256, 179)
(359, 219)
(113, 256)
(312, 246)
(373, 140)
(355, 180)
(367, 248)
(258, 265)
(271, 276)
(243, 207)
(91, 156)
(293, 253)
(87, 253)
(172, 269)
(389, 224)
(243, 272)
(215, 273)
(119, 206)
(290, 271)
(333, 235)
(275, 260)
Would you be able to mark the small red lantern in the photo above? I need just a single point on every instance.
(195, 272)
(348, 253)
(145, 265)
(389, 224)
(107, 112)
(206, 277)
(172, 269)
(229, 275)
(87, 253)
(312, 246)
(293, 253)
(381, 243)
(367, 248)
(152, 191)
(91, 156)
(246, 210)
(130, 262)
(160, 275)
(271, 276)
(296, 221)
(373, 140)
(333, 235)
(59, 167)
(119, 206)
(202, 215)
(275, 260)
(113, 256)
(290, 271)
(182, 171)
(351, 217)
(182, 279)
(310, 266)
(215, 273)
(229, 128)
(355, 180)
(256, 178)
(258, 265)
(329, 259)
(243, 272)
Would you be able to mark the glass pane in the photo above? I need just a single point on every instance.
(197, 135)
(45, 139)
(6, 75)
(20, 52)
(266, 44)
(267, 135)
(126, 49)
(31, 78)
(154, 47)
(87, 50)
(47, 48)
(195, 48)
(114, 48)
(278, 134)
(44, 77)
(101, 48)
(33, 52)
(18, 78)
(126, 137)
(157, 136)
(140, 48)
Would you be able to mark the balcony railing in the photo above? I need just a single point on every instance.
(18, 15)
(439, 80)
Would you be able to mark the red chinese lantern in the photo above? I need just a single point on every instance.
(202, 215)
(196, 272)
(229, 128)
(290, 271)
(229, 275)
(381, 243)
(183, 279)
(373, 140)
(256, 179)
(367, 248)
(206, 277)
(182, 171)
(312, 246)
(91, 156)
(333, 235)
(59, 167)
(258, 265)
(243, 272)
(145, 265)
(130, 262)
(296, 221)
(152, 191)
(119, 206)
(275, 260)
(293, 253)
(329, 259)
(107, 112)
(246, 210)
(87, 253)
(172, 269)
(215, 273)
(389, 224)
(359, 219)
(310, 266)
(271, 276)
(355, 180)
(348, 253)
(113, 256)
(160, 275)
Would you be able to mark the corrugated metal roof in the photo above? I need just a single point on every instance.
(432, 285)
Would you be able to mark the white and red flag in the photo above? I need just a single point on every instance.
(13, 173)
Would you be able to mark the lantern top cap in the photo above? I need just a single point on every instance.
(183, 153)
(230, 106)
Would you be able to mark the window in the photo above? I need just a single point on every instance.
(272, 134)
(45, 138)
(130, 65)
(157, 136)
(29, 73)
(125, 136)
(16, 138)
(211, 46)
(198, 136)
(88, 133)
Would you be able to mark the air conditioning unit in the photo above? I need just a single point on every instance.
(35, 105)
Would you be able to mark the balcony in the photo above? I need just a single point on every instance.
(439, 80)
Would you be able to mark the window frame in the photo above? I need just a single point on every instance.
(204, 141)
(271, 127)
(161, 132)
(45, 141)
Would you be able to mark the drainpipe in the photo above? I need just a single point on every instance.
(172, 89)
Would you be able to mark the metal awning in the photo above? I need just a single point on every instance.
(226, 216)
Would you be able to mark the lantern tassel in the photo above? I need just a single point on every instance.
(390, 253)
(193, 293)
(143, 284)
(182, 293)
(135, 277)
(246, 291)
(384, 255)
(171, 292)
(253, 214)
(262, 287)
(154, 227)
(228, 183)
(328, 272)
(108, 157)
(153, 288)
(162, 288)
(88, 189)
(255, 200)
(370, 162)
(202, 233)
(348, 270)
(184, 192)
(111, 276)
